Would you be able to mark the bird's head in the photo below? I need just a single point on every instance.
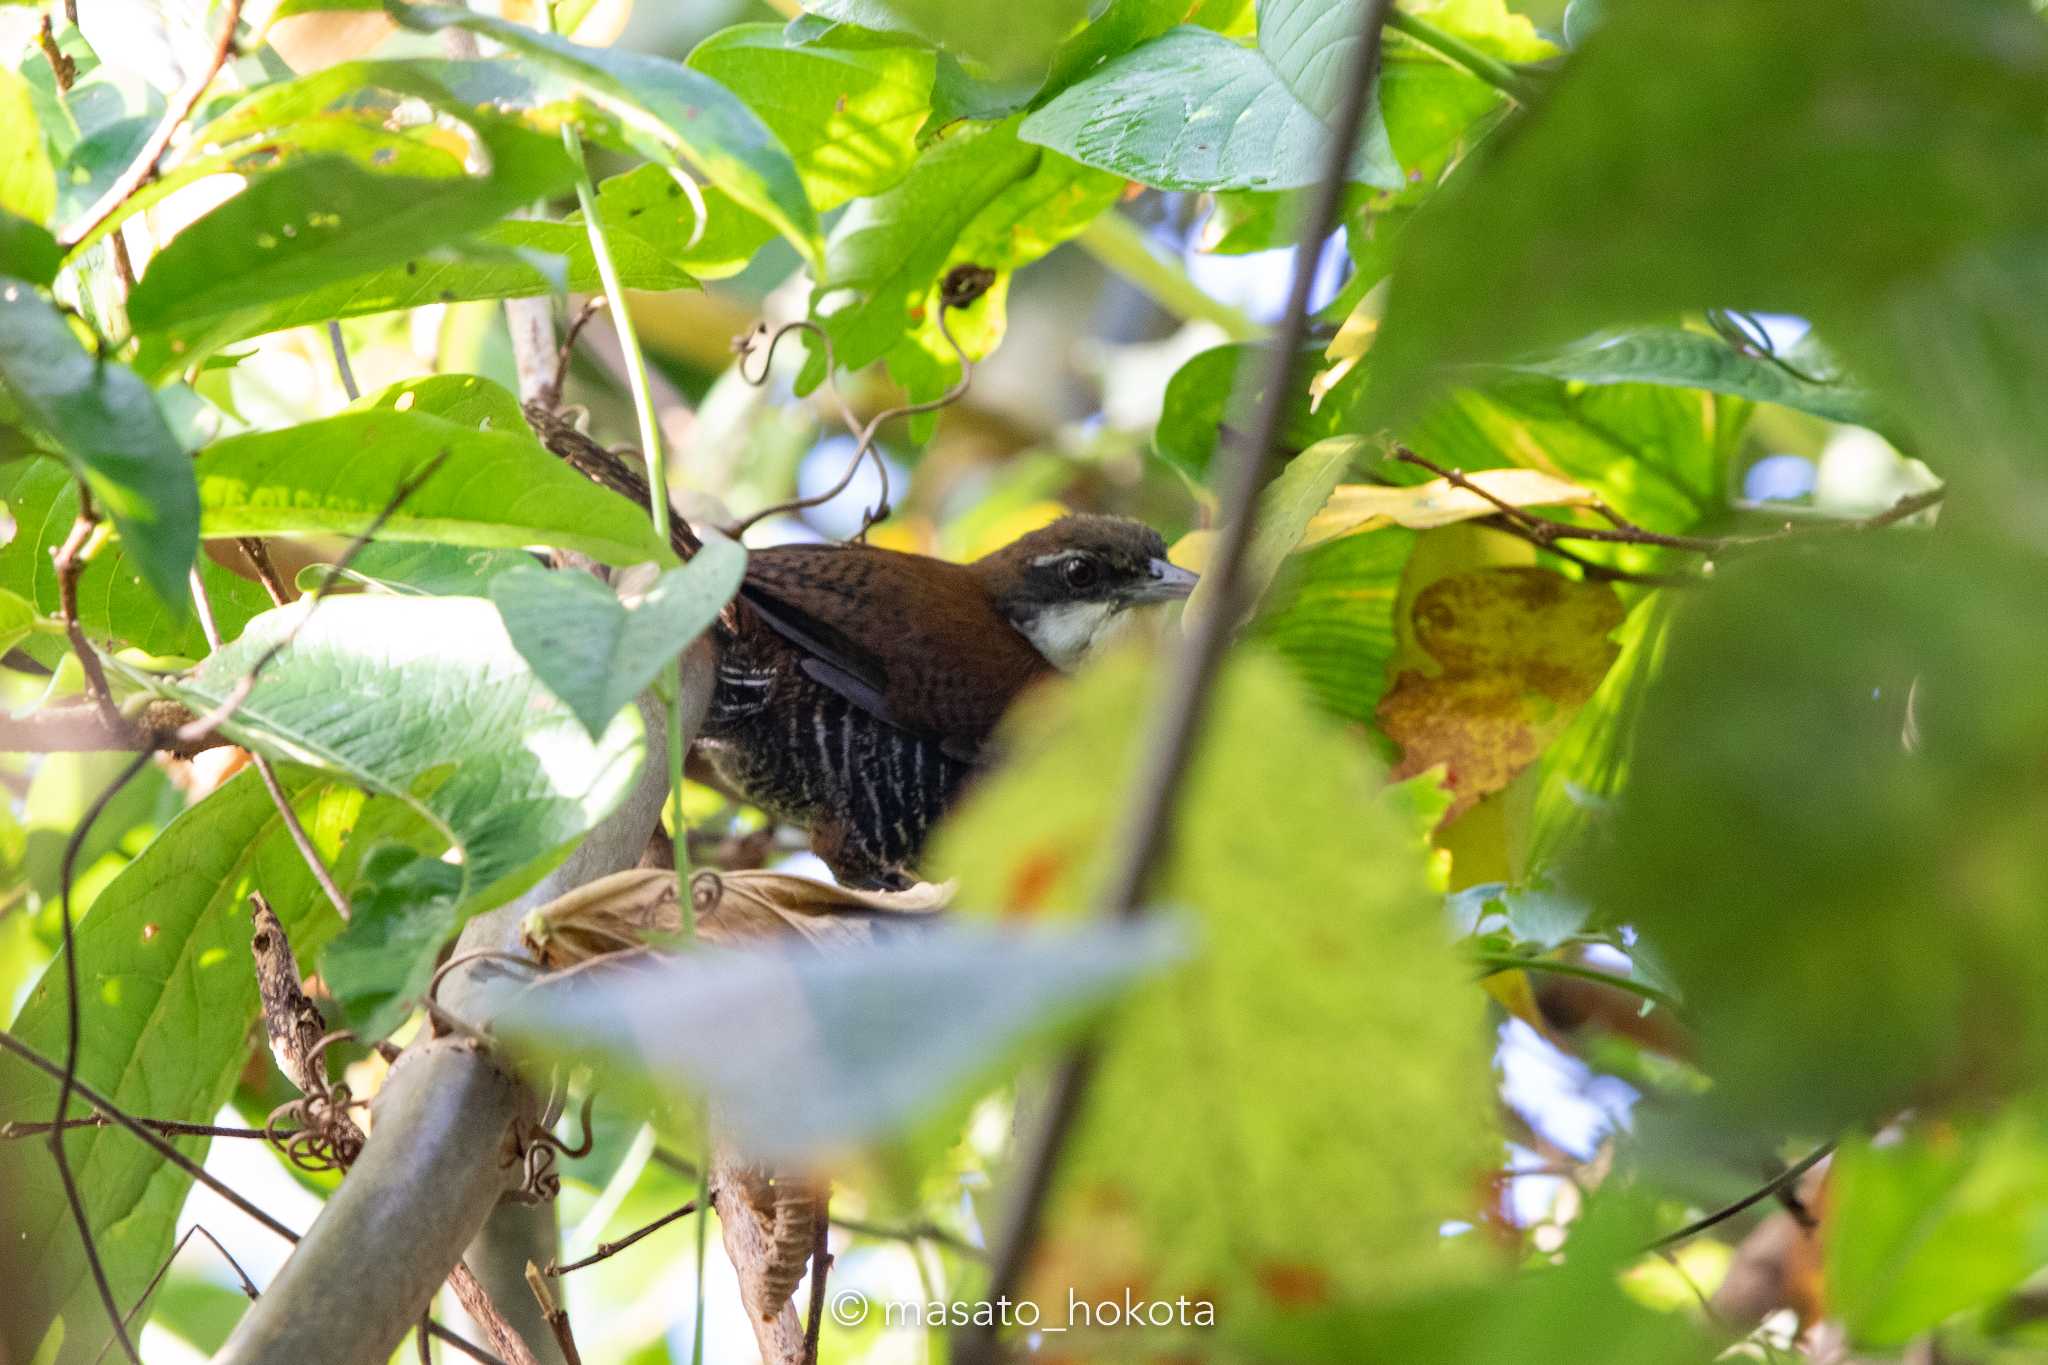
(1067, 586)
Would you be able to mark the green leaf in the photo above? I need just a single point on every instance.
(805, 1052)
(848, 117)
(491, 265)
(27, 250)
(887, 253)
(1571, 787)
(1012, 41)
(325, 219)
(1481, 280)
(1191, 110)
(167, 997)
(28, 184)
(646, 204)
(424, 699)
(1200, 394)
(498, 488)
(1331, 616)
(1207, 1068)
(104, 421)
(1933, 1224)
(1688, 360)
(113, 601)
(597, 654)
(668, 111)
(17, 619)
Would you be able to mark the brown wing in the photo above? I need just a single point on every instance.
(910, 640)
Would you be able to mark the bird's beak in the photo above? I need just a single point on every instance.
(1168, 583)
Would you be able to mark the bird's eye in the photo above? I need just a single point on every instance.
(1079, 572)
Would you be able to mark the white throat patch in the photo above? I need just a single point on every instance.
(1068, 633)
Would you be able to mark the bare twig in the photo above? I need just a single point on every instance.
(1144, 832)
(551, 395)
(300, 840)
(62, 68)
(140, 171)
(266, 572)
(476, 1301)
(67, 1082)
(168, 1127)
(1782, 1181)
(557, 1317)
(299, 1039)
(69, 564)
(204, 727)
(821, 1262)
(606, 1250)
(341, 365)
(85, 729)
(248, 1286)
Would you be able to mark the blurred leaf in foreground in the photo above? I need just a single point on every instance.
(1324, 1002)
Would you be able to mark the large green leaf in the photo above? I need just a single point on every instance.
(494, 264)
(1331, 616)
(113, 601)
(27, 250)
(1925, 1227)
(597, 654)
(1191, 110)
(647, 204)
(668, 110)
(104, 421)
(424, 699)
(497, 487)
(887, 253)
(1200, 395)
(848, 117)
(1322, 972)
(1947, 99)
(28, 184)
(167, 996)
(323, 219)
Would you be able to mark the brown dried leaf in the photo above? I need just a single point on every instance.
(1521, 650)
(1356, 507)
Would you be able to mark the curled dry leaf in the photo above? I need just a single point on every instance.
(1521, 650)
(1356, 507)
(629, 909)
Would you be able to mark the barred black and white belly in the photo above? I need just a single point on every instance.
(869, 792)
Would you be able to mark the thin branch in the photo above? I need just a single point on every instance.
(69, 564)
(341, 365)
(556, 1316)
(68, 1080)
(266, 572)
(821, 1263)
(1120, 246)
(913, 1232)
(1784, 1180)
(476, 1301)
(205, 726)
(62, 68)
(1169, 746)
(552, 394)
(84, 729)
(168, 1127)
(150, 1139)
(290, 817)
(140, 171)
(1492, 964)
(248, 1286)
(606, 1250)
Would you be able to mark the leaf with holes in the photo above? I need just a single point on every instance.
(596, 653)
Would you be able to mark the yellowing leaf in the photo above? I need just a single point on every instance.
(1356, 507)
(1348, 347)
(1521, 650)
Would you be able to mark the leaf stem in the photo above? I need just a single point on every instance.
(1458, 52)
(1120, 245)
(657, 494)
(1492, 964)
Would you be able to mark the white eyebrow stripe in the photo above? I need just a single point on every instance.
(1047, 561)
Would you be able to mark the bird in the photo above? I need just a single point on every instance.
(858, 688)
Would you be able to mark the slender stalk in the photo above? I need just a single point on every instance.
(1492, 964)
(657, 490)
(1120, 245)
(1169, 748)
(1458, 52)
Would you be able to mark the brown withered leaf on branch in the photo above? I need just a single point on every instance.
(634, 908)
(1521, 650)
